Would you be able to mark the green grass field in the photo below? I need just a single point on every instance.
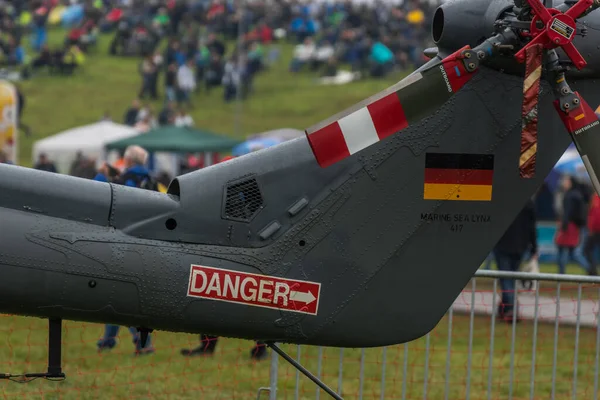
(109, 84)
(230, 374)
(280, 100)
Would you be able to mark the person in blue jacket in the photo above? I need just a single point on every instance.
(381, 58)
(135, 175)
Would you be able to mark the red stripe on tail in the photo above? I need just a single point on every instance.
(328, 145)
(459, 176)
(387, 115)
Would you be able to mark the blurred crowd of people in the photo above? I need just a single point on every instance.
(21, 20)
(372, 39)
(143, 118)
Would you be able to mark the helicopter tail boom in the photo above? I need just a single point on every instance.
(369, 239)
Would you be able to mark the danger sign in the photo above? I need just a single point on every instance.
(254, 290)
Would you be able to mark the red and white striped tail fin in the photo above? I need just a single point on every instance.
(387, 112)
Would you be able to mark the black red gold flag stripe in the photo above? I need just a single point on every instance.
(458, 177)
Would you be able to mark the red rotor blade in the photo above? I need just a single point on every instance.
(529, 110)
(579, 8)
(541, 11)
(574, 55)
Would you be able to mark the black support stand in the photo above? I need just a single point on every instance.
(306, 372)
(54, 357)
(144, 332)
(54, 349)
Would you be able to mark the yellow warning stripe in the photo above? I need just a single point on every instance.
(448, 191)
(527, 154)
(534, 76)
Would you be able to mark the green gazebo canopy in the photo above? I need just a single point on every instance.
(177, 139)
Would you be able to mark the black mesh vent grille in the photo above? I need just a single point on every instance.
(243, 200)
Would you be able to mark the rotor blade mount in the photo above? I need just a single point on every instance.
(559, 30)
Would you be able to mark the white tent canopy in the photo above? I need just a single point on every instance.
(62, 148)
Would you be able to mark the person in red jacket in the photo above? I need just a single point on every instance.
(592, 241)
(572, 221)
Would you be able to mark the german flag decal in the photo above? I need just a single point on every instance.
(466, 177)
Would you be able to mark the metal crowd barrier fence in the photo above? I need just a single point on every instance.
(550, 349)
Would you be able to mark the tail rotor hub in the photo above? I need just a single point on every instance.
(552, 28)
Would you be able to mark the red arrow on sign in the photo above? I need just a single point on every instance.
(254, 289)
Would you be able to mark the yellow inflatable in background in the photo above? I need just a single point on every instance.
(56, 14)
(8, 120)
